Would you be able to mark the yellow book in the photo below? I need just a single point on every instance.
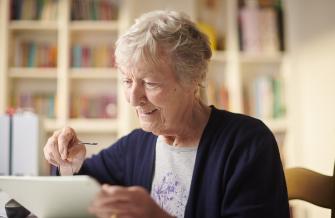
(210, 32)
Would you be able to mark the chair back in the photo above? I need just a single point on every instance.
(311, 186)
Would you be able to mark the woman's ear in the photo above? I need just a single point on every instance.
(196, 88)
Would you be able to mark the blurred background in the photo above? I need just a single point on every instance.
(273, 59)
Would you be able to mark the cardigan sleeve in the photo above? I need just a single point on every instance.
(105, 167)
(254, 183)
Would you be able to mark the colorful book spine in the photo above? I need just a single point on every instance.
(40, 103)
(34, 9)
(249, 18)
(35, 54)
(278, 98)
(266, 98)
(260, 27)
(218, 95)
(76, 55)
(94, 106)
(268, 30)
(94, 9)
(92, 56)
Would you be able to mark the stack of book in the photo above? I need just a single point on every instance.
(41, 103)
(94, 9)
(266, 98)
(92, 56)
(34, 9)
(35, 54)
(260, 27)
(218, 95)
(94, 106)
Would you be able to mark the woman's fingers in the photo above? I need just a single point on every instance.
(65, 138)
(54, 150)
(76, 156)
(110, 200)
(49, 157)
(77, 150)
(62, 149)
(122, 201)
(109, 206)
(111, 194)
(51, 151)
(52, 161)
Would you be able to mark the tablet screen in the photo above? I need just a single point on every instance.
(52, 196)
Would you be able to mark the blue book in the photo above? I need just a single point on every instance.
(76, 55)
(51, 108)
(32, 54)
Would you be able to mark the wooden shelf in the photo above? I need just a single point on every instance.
(276, 125)
(94, 25)
(51, 125)
(35, 73)
(219, 56)
(82, 125)
(33, 25)
(93, 73)
(261, 58)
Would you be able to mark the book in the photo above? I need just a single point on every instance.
(218, 95)
(30, 53)
(34, 9)
(96, 55)
(260, 26)
(278, 98)
(93, 106)
(265, 98)
(42, 103)
(94, 10)
(249, 22)
(268, 31)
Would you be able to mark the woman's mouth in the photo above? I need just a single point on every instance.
(147, 113)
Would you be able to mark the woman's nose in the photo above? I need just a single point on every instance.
(137, 95)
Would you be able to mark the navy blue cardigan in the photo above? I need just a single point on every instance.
(237, 172)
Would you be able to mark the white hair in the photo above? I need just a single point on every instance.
(166, 36)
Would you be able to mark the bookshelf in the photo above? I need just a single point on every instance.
(79, 34)
(78, 37)
(235, 71)
(230, 66)
(238, 67)
(244, 77)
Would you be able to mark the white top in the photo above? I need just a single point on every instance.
(172, 176)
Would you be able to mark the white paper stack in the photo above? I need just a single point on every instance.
(27, 143)
(4, 145)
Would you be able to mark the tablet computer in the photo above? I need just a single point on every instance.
(52, 196)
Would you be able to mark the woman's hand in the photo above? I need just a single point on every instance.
(125, 202)
(64, 151)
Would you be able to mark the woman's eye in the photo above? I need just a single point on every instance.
(127, 82)
(151, 85)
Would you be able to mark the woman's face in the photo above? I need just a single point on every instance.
(162, 103)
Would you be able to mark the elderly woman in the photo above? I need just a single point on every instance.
(188, 159)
